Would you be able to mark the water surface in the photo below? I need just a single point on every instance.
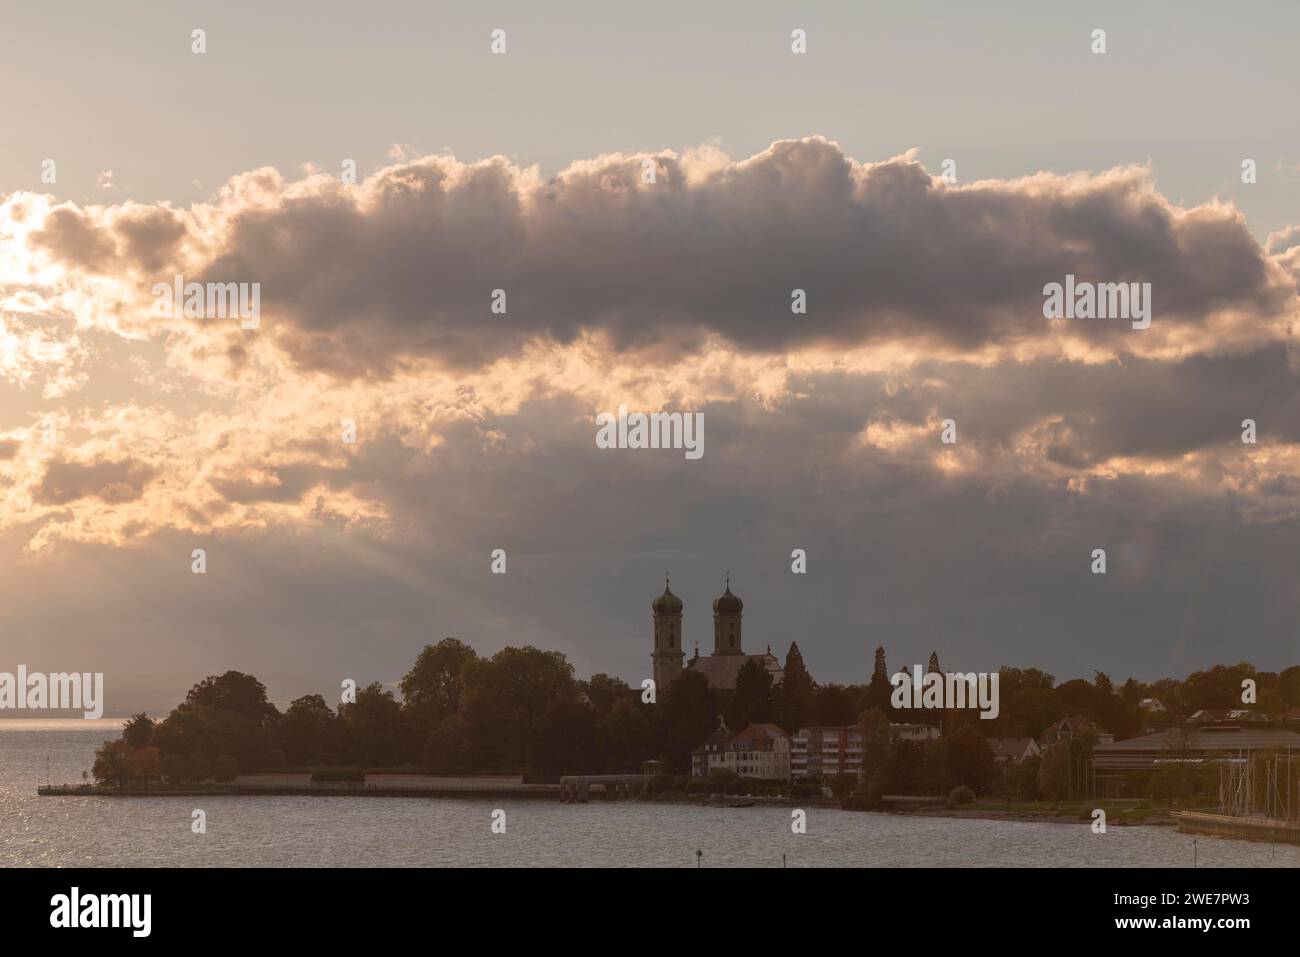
(424, 832)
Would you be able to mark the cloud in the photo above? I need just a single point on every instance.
(360, 280)
(109, 481)
(476, 430)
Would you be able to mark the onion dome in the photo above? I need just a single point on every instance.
(727, 604)
(667, 603)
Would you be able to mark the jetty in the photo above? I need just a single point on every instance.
(303, 785)
(1270, 830)
(577, 788)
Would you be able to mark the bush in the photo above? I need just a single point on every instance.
(805, 789)
(697, 786)
(842, 784)
(961, 795)
(225, 768)
(865, 797)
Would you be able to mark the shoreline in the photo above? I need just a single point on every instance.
(910, 807)
(915, 808)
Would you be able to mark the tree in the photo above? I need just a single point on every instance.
(563, 741)
(1054, 772)
(873, 726)
(225, 768)
(308, 730)
(625, 737)
(506, 695)
(796, 692)
(138, 732)
(372, 727)
(447, 751)
(174, 769)
(1028, 711)
(752, 700)
(970, 759)
(838, 705)
(236, 692)
(1288, 683)
(197, 767)
(1218, 688)
(113, 763)
(686, 717)
(932, 717)
(1079, 697)
(1023, 778)
(434, 686)
(910, 769)
(1171, 782)
(604, 692)
(880, 688)
(146, 764)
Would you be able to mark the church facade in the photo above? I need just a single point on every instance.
(723, 665)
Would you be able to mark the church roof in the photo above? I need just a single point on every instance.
(667, 603)
(727, 603)
(721, 670)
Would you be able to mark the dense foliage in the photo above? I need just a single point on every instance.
(523, 711)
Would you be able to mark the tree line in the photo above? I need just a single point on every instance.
(523, 710)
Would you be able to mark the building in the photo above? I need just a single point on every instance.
(720, 668)
(1119, 766)
(1013, 750)
(759, 751)
(910, 731)
(825, 752)
(1075, 726)
(668, 654)
(1153, 705)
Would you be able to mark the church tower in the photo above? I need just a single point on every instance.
(726, 623)
(668, 653)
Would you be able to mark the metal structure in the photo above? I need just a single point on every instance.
(1253, 784)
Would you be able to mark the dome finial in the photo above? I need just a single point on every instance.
(667, 603)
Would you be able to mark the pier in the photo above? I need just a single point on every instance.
(576, 788)
(302, 785)
(1241, 828)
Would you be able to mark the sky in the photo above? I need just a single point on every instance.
(129, 438)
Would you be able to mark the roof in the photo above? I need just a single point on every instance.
(667, 603)
(1074, 722)
(1230, 737)
(1010, 747)
(727, 603)
(764, 734)
(721, 670)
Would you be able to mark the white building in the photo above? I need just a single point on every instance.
(760, 751)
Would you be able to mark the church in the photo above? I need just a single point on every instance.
(720, 668)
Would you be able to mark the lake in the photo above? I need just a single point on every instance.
(445, 832)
